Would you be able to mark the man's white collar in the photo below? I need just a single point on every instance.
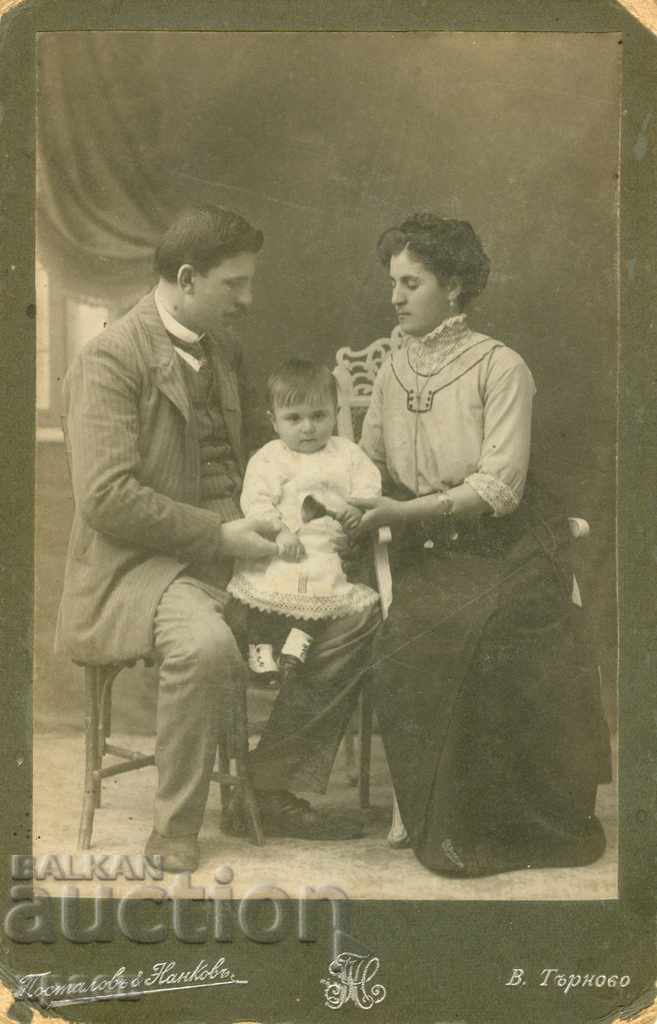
(178, 330)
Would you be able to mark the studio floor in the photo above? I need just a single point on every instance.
(366, 868)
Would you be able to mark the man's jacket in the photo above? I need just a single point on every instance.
(136, 482)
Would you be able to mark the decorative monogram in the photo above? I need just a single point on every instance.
(351, 982)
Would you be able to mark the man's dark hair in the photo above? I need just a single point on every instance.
(448, 248)
(204, 236)
(299, 380)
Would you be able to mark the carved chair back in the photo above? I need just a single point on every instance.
(355, 371)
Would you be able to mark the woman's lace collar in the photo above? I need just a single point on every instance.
(429, 354)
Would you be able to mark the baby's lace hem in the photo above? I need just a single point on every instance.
(303, 606)
(497, 494)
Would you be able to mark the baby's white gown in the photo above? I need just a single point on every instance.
(275, 484)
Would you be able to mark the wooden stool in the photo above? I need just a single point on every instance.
(233, 749)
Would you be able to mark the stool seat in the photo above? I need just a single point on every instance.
(233, 747)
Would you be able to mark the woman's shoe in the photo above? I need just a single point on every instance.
(496, 857)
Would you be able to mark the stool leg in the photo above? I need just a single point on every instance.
(106, 710)
(91, 782)
(104, 686)
(242, 752)
(224, 769)
(366, 714)
(106, 677)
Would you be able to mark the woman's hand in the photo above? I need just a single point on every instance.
(378, 512)
(349, 518)
(289, 546)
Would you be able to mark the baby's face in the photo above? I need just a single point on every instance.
(306, 426)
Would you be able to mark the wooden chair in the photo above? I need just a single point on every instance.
(355, 372)
(233, 750)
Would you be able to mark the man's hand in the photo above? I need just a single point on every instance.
(289, 546)
(248, 538)
(349, 517)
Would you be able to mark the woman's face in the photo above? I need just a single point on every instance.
(419, 298)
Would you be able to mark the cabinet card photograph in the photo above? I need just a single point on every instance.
(338, 680)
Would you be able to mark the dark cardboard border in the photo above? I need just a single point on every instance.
(440, 961)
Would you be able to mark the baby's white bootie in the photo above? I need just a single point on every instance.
(263, 664)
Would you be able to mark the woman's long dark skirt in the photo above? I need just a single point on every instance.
(488, 699)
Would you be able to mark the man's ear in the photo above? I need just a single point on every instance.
(270, 417)
(185, 277)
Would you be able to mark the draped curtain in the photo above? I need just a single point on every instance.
(102, 190)
(325, 139)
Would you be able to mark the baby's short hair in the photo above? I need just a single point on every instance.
(300, 380)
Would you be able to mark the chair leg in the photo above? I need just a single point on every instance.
(242, 752)
(366, 715)
(228, 745)
(253, 810)
(349, 747)
(224, 769)
(91, 756)
(397, 836)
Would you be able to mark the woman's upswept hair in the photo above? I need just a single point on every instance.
(448, 248)
(300, 380)
(204, 236)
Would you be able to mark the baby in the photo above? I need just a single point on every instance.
(302, 482)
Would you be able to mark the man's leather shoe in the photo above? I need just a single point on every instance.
(172, 853)
(285, 815)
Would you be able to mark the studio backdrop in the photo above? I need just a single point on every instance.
(325, 139)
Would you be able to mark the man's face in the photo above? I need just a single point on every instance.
(220, 297)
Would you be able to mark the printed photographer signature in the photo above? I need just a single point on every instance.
(49, 991)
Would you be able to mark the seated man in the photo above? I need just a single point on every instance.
(154, 407)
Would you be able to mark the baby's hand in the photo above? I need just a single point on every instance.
(349, 517)
(289, 546)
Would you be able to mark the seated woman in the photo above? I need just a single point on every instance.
(487, 694)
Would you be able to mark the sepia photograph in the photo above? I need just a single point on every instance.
(333, 691)
(361, 290)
